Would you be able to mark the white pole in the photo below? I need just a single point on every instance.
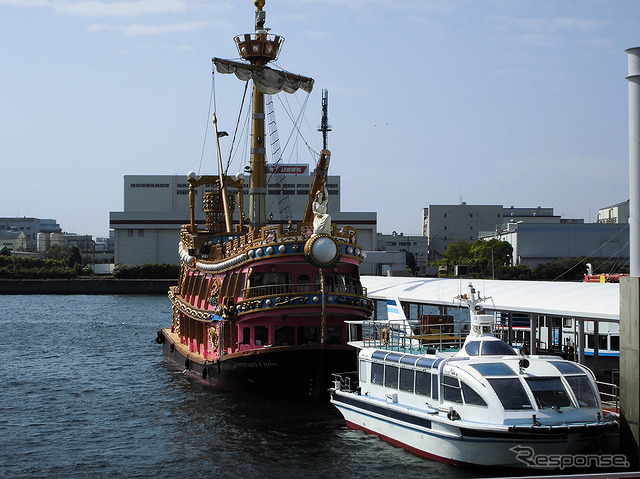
(634, 160)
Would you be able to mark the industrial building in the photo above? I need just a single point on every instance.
(30, 227)
(535, 243)
(156, 206)
(446, 224)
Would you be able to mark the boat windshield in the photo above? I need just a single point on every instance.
(583, 390)
(511, 393)
(496, 348)
(549, 393)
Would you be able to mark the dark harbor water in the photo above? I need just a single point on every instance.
(85, 393)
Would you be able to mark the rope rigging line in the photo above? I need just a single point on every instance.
(235, 132)
(296, 125)
(212, 100)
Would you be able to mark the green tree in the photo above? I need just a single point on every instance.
(74, 257)
(58, 252)
(491, 254)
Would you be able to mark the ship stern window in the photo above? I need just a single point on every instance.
(284, 335)
(549, 393)
(333, 335)
(246, 335)
(583, 390)
(511, 393)
(308, 335)
(261, 334)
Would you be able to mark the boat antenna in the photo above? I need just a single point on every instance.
(324, 127)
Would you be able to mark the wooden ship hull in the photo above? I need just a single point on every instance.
(273, 320)
(264, 305)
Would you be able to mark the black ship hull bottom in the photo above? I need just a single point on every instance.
(292, 371)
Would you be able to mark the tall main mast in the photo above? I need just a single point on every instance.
(259, 48)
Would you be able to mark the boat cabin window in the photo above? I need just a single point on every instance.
(284, 336)
(391, 376)
(583, 391)
(451, 389)
(493, 369)
(496, 348)
(471, 397)
(261, 335)
(308, 335)
(566, 367)
(511, 393)
(377, 373)
(473, 348)
(246, 335)
(423, 383)
(549, 393)
(407, 378)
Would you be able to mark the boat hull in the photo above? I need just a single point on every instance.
(294, 371)
(438, 438)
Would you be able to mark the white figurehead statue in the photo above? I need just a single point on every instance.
(321, 220)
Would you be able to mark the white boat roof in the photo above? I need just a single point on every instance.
(599, 301)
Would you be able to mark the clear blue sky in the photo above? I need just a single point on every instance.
(508, 102)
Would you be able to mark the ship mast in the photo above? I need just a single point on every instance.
(259, 48)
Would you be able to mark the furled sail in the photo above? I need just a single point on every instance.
(268, 80)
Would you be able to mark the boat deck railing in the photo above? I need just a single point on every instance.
(609, 396)
(301, 288)
(418, 339)
(347, 381)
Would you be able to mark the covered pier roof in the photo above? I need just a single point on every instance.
(599, 301)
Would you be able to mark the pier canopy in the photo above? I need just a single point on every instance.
(597, 301)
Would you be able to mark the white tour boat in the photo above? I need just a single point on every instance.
(481, 404)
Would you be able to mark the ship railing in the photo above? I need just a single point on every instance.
(347, 381)
(301, 288)
(609, 397)
(404, 337)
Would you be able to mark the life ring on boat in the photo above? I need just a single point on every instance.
(213, 338)
(385, 336)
